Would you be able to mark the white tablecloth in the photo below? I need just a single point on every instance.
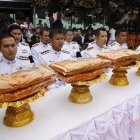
(114, 112)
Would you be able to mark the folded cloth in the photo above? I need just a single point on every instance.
(80, 66)
(120, 55)
(25, 92)
(24, 78)
(83, 76)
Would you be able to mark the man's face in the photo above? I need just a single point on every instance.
(37, 31)
(17, 34)
(75, 33)
(79, 32)
(121, 38)
(8, 48)
(19, 21)
(68, 36)
(57, 42)
(27, 19)
(45, 37)
(101, 39)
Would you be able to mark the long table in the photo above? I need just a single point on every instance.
(55, 116)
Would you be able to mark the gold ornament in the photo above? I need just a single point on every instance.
(80, 93)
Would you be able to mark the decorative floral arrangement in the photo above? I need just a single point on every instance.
(84, 3)
(42, 2)
(65, 2)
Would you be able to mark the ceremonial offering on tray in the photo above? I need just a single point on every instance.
(81, 74)
(122, 60)
(121, 57)
(18, 89)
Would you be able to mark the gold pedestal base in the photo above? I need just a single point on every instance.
(119, 78)
(138, 72)
(18, 116)
(80, 94)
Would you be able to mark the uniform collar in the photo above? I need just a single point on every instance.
(8, 61)
(43, 44)
(99, 48)
(55, 52)
(66, 42)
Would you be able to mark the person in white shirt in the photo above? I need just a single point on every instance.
(20, 21)
(39, 48)
(9, 62)
(55, 54)
(28, 24)
(120, 40)
(112, 36)
(23, 49)
(71, 46)
(97, 46)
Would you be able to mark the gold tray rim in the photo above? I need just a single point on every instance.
(100, 78)
(24, 101)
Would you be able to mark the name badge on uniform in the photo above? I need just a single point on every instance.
(24, 51)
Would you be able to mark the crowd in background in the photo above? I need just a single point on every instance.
(82, 37)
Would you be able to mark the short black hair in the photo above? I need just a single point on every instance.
(20, 15)
(117, 33)
(74, 29)
(13, 27)
(68, 30)
(6, 35)
(97, 31)
(44, 29)
(54, 32)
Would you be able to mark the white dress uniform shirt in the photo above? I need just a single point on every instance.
(51, 56)
(23, 50)
(38, 49)
(93, 49)
(116, 46)
(8, 67)
(71, 47)
(29, 26)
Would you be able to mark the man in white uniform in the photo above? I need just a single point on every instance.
(9, 62)
(97, 46)
(42, 47)
(69, 45)
(28, 24)
(120, 43)
(23, 49)
(55, 54)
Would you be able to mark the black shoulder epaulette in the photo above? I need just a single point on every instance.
(45, 52)
(74, 42)
(90, 48)
(36, 44)
(25, 44)
(23, 57)
(64, 51)
(113, 43)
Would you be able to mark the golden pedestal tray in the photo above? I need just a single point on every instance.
(80, 93)
(138, 71)
(119, 77)
(19, 113)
